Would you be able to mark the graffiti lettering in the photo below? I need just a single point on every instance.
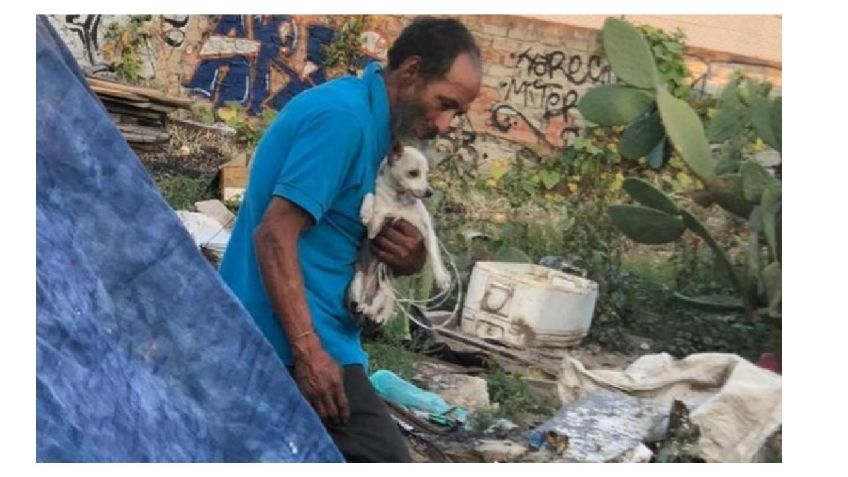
(457, 147)
(174, 29)
(536, 93)
(243, 50)
(544, 88)
(570, 66)
(86, 27)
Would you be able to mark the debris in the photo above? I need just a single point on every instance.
(217, 128)
(638, 455)
(769, 361)
(500, 426)
(570, 264)
(469, 392)
(523, 360)
(410, 419)
(393, 388)
(525, 305)
(680, 444)
(500, 450)
(542, 388)
(217, 210)
(210, 236)
(233, 178)
(600, 427)
(735, 404)
(140, 113)
(420, 445)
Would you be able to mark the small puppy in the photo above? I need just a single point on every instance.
(401, 184)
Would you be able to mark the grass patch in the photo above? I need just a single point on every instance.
(182, 192)
(513, 396)
(391, 356)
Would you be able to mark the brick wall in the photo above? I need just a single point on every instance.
(534, 71)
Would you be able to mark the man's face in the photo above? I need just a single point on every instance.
(426, 109)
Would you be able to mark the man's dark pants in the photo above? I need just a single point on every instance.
(371, 434)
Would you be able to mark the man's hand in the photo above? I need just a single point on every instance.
(316, 374)
(320, 380)
(400, 246)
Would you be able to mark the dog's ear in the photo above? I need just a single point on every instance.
(395, 152)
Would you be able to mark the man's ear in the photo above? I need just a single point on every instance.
(410, 70)
(395, 152)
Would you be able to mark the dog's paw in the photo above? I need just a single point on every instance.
(363, 309)
(383, 315)
(366, 211)
(442, 279)
(379, 318)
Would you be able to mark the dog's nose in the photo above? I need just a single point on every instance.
(428, 193)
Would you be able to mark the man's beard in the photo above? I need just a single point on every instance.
(404, 121)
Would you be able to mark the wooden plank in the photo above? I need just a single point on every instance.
(525, 362)
(118, 94)
(145, 92)
(124, 110)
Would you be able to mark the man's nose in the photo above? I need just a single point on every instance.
(443, 122)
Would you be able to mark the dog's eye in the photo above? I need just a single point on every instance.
(414, 173)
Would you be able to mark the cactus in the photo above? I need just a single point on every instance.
(642, 137)
(646, 224)
(647, 195)
(755, 180)
(657, 121)
(767, 118)
(732, 117)
(770, 205)
(660, 154)
(726, 190)
(687, 133)
(611, 105)
(770, 281)
(629, 54)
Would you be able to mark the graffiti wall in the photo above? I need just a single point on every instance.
(534, 72)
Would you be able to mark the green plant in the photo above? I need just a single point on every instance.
(181, 192)
(511, 394)
(751, 193)
(248, 128)
(344, 52)
(669, 50)
(391, 355)
(124, 45)
(203, 113)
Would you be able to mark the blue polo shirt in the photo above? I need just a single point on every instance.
(322, 152)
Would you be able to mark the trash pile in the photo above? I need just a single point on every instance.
(708, 407)
(140, 113)
(210, 227)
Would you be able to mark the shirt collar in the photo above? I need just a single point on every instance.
(378, 98)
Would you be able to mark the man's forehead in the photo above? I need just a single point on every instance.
(464, 80)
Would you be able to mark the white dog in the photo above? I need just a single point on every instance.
(401, 184)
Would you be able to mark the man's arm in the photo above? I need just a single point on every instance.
(317, 375)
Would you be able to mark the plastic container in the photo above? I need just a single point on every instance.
(526, 305)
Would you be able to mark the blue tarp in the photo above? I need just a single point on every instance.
(143, 354)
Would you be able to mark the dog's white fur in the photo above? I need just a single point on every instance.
(401, 184)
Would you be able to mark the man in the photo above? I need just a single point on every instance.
(295, 243)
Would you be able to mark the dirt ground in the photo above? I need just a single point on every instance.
(185, 171)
